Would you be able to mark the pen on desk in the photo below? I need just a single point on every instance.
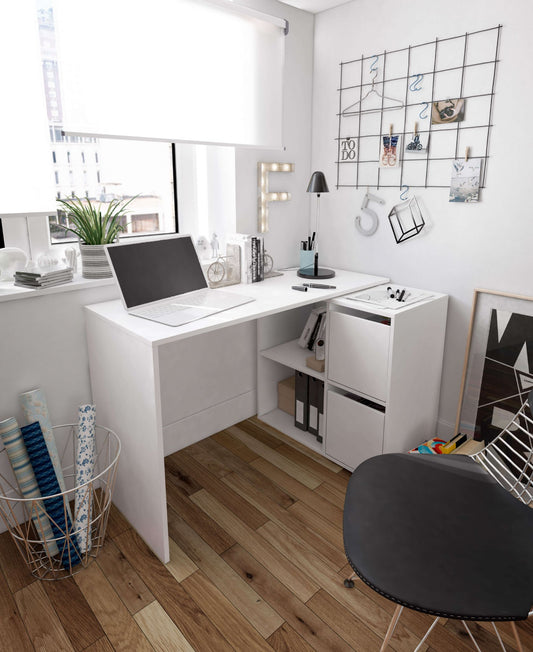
(320, 285)
(300, 288)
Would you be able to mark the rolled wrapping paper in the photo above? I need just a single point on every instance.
(35, 409)
(48, 485)
(85, 457)
(25, 477)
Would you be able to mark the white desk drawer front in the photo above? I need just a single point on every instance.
(359, 354)
(354, 431)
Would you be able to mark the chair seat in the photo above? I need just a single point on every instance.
(438, 534)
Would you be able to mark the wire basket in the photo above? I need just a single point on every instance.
(74, 541)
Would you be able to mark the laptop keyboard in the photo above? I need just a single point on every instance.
(210, 298)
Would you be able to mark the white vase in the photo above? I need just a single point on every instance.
(94, 262)
(11, 260)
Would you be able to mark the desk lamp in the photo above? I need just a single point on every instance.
(317, 185)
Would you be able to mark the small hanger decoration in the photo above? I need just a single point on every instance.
(389, 155)
(364, 106)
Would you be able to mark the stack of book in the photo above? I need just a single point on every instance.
(252, 256)
(44, 279)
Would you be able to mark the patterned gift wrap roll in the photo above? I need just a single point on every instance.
(48, 484)
(35, 409)
(85, 457)
(23, 471)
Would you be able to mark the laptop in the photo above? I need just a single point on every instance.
(162, 280)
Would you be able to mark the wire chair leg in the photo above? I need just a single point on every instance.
(499, 637)
(392, 626)
(471, 636)
(427, 634)
(515, 631)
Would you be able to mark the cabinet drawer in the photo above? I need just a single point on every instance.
(358, 354)
(354, 432)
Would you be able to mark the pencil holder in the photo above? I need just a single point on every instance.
(307, 259)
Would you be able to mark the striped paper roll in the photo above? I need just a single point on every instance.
(85, 457)
(48, 485)
(22, 468)
(35, 409)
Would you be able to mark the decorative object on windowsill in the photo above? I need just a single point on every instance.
(464, 185)
(39, 278)
(225, 270)
(368, 215)
(18, 510)
(264, 195)
(406, 220)
(95, 229)
(71, 258)
(317, 185)
(11, 259)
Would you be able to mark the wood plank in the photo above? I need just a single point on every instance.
(486, 640)
(327, 530)
(376, 618)
(180, 565)
(282, 461)
(239, 593)
(303, 529)
(296, 444)
(285, 639)
(202, 453)
(331, 494)
(17, 573)
(75, 614)
(186, 614)
(231, 499)
(299, 491)
(352, 630)
(319, 636)
(295, 580)
(41, 620)
(160, 630)
(206, 527)
(234, 446)
(233, 625)
(14, 635)
(131, 589)
(120, 628)
(338, 480)
(180, 478)
(101, 645)
(116, 523)
(259, 432)
(232, 463)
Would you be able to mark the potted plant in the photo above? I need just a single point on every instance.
(94, 230)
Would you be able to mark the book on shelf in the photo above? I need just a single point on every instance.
(257, 259)
(310, 325)
(245, 243)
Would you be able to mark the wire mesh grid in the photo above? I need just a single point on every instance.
(509, 457)
(75, 542)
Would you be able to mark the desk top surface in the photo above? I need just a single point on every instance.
(270, 296)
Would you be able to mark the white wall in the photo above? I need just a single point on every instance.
(465, 246)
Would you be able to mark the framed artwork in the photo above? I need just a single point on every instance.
(498, 369)
(447, 111)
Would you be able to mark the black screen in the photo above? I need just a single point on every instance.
(149, 271)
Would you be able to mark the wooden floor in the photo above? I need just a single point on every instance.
(257, 563)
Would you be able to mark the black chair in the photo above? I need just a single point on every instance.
(445, 534)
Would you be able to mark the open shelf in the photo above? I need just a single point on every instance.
(285, 422)
(292, 355)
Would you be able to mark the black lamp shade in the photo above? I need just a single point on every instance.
(317, 183)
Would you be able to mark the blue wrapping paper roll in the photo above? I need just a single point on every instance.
(85, 458)
(48, 485)
(23, 471)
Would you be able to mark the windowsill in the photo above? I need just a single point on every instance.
(9, 292)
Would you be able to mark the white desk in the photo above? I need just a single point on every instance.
(144, 374)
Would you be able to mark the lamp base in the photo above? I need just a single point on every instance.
(321, 273)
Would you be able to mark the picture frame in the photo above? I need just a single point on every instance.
(498, 367)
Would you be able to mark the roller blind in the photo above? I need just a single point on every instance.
(177, 70)
(26, 174)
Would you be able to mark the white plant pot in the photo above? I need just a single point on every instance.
(94, 262)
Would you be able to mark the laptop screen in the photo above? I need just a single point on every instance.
(159, 269)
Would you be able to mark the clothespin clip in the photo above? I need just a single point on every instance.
(390, 131)
(466, 154)
(416, 127)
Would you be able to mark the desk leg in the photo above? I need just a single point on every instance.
(125, 388)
